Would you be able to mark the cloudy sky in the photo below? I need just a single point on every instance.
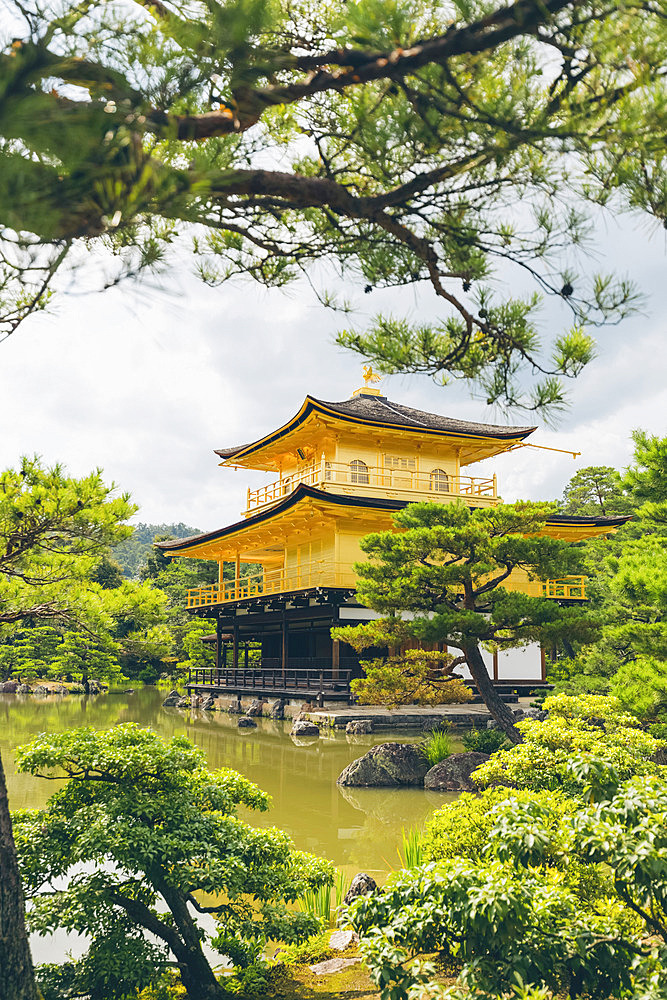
(146, 383)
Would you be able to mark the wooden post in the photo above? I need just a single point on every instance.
(543, 658)
(237, 575)
(218, 643)
(235, 652)
(245, 655)
(495, 665)
(335, 657)
(283, 652)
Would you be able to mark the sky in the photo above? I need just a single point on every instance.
(145, 382)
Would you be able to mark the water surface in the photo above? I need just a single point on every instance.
(357, 829)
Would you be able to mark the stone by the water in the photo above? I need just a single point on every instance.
(245, 722)
(277, 710)
(359, 727)
(454, 774)
(183, 703)
(303, 727)
(172, 699)
(9, 687)
(208, 704)
(332, 965)
(41, 689)
(361, 885)
(235, 708)
(256, 708)
(340, 940)
(24, 689)
(386, 765)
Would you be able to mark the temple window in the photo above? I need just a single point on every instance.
(439, 481)
(399, 462)
(358, 471)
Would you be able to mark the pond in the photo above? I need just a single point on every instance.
(357, 829)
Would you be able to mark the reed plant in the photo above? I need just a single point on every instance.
(324, 902)
(411, 851)
(436, 746)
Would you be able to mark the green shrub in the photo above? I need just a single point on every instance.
(436, 746)
(591, 726)
(411, 851)
(485, 740)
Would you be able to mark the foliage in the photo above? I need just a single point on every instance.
(594, 491)
(484, 740)
(446, 564)
(141, 824)
(324, 902)
(436, 746)
(411, 851)
(133, 553)
(53, 531)
(627, 590)
(417, 676)
(513, 917)
(590, 725)
(391, 142)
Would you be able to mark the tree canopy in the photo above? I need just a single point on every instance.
(446, 565)
(399, 143)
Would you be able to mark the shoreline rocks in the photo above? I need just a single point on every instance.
(302, 727)
(454, 773)
(385, 766)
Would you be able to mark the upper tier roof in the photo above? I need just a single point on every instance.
(378, 411)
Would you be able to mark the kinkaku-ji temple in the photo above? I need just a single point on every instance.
(343, 470)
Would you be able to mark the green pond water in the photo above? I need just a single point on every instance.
(357, 829)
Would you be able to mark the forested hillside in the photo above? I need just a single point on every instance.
(131, 554)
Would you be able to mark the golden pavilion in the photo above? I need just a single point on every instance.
(341, 470)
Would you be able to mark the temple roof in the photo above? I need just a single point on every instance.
(565, 521)
(378, 411)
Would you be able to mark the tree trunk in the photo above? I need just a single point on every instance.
(496, 706)
(17, 980)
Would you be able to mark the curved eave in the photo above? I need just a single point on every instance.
(312, 405)
(568, 525)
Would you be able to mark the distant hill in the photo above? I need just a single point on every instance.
(131, 554)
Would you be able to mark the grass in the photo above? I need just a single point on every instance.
(411, 852)
(325, 901)
(436, 746)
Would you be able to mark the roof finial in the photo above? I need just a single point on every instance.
(369, 377)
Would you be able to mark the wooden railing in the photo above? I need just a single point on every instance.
(571, 588)
(343, 477)
(318, 573)
(275, 680)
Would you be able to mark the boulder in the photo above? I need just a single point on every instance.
(41, 689)
(208, 704)
(386, 765)
(340, 940)
(245, 722)
(256, 708)
(361, 885)
(24, 689)
(172, 699)
(359, 727)
(183, 703)
(454, 773)
(94, 687)
(60, 689)
(303, 727)
(9, 687)
(277, 710)
(235, 708)
(331, 965)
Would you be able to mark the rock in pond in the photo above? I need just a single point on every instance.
(235, 708)
(361, 885)
(208, 704)
(245, 722)
(359, 727)
(256, 708)
(454, 773)
(303, 727)
(9, 687)
(386, 765)
(172, 699)
(183, 703)
(277, 710)
(24, 689)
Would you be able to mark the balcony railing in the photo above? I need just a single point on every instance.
(570, 588)
(351, 478)
(318, 573)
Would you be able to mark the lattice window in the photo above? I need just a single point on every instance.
(358, 471)
(439, 481)
(398, 462)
